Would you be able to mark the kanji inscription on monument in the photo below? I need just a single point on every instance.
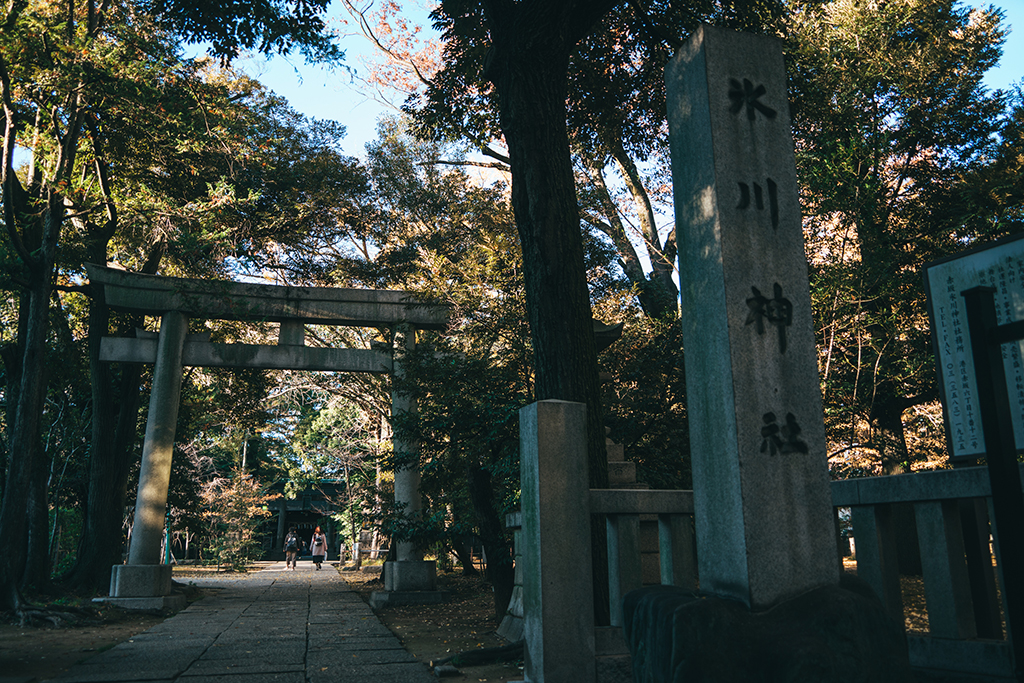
(763, 509)
(777, 312)
(781, 439)
(746, 96)
(759, 199)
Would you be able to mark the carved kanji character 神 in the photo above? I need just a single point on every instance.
(777, 311)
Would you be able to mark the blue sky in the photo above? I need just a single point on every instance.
(318, 92)
(1011, 67)
(325, 94)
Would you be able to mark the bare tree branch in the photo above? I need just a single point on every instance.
(468, 162)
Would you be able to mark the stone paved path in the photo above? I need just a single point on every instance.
(272, 626)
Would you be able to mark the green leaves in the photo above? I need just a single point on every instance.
(892, 126)
(265, 25)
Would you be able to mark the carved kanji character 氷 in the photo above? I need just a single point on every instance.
(746, 95)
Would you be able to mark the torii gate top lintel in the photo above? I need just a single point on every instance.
(227, 300)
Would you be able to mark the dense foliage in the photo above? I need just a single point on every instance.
(895, 133)
(116, 148)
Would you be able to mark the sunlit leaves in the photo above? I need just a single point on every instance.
(893, 128)
(234, 507)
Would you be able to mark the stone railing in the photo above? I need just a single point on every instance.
(951, 511)
(623, 510)
(627, 514)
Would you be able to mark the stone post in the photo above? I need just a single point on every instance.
(558, 597)
(762, 502)
(144, 576)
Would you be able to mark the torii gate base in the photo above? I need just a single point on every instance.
(143, 586)
(409, 582)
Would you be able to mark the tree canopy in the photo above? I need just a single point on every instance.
(264, 25)
(130, 147)
(894, 131)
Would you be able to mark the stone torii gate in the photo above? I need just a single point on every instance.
(143, 582)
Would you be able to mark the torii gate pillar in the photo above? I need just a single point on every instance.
(144, 579)
(408, 578)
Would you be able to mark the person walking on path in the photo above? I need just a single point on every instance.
(292, 546)
(318, 547)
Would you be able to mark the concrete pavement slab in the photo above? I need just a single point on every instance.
(266, 659)
(318, 659)
(343, 643)
(220, 667)
(272, 626)
(86, 673)
(283, 677)
(392, 673)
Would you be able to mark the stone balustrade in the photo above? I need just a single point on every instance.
(965, 633)
(951, 511)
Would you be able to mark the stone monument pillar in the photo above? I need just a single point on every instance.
(558, 602)
(762, 502)
(763, 509)
(144, 578)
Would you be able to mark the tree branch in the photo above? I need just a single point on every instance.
(82, 289)
(479, 164)
(495, 154)
(653, 31)
(368, 32)
(104, 181)
(12, 189)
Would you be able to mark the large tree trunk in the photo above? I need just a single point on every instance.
(114, 433)
(36, 573)
(653, 299)
(660, 289)
(463, 551)
(24, 442)
(100, 546)
(112, 441)
(528, 64)
(492, 532)
(12, 357)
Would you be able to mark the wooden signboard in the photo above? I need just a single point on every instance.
(999, 265)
